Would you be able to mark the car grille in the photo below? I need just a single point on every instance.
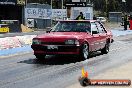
(60, 48)
(53, 43)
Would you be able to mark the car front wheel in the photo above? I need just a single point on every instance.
(84, 52)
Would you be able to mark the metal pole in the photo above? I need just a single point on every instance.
(62, 9)
(25, 2)
(62, 4)
(106, 8)
(123, 6)
(51, 13)
(24, 12)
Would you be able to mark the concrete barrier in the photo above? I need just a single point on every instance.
(3, 43)
(17, 41)
(26, 39)
(9, 42)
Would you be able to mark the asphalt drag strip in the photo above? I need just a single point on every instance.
(25, 71)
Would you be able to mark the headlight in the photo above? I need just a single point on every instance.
(35, 41)
(72, 42)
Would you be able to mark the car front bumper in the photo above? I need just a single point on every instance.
(61, 49)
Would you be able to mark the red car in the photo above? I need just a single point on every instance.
(73, 37)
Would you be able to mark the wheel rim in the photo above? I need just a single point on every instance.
(85, 51)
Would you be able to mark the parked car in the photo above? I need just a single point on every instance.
(101, 19)
(73, 37)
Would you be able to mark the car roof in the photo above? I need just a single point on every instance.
(78, 20)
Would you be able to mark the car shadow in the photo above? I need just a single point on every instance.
(58, 59)
(53, 60)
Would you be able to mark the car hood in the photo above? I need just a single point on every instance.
(61, 36)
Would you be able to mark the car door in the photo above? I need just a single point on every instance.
(95, 41)
(102, 34)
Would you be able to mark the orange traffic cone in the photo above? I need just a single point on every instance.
(84, 74)
(84, 80)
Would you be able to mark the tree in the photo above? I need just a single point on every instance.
(99, 5)
(129, 5)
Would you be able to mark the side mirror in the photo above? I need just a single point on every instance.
(94, 32)
(48, 29)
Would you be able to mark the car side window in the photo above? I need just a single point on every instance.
(94, 28)
(100, 27)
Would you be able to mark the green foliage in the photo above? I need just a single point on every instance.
(105, 6)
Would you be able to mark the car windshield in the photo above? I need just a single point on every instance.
(72, 26)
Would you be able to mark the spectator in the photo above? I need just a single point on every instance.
(80, 17)
(125, 22)
(94, 17)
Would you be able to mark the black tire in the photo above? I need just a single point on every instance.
(40, 57)
(84, 52)
(105, 50)
(84, 82)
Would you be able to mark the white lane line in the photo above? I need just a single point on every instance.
(16, 54)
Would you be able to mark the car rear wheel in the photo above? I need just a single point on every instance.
(84, 54)
(40, 56)
(105, 50)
